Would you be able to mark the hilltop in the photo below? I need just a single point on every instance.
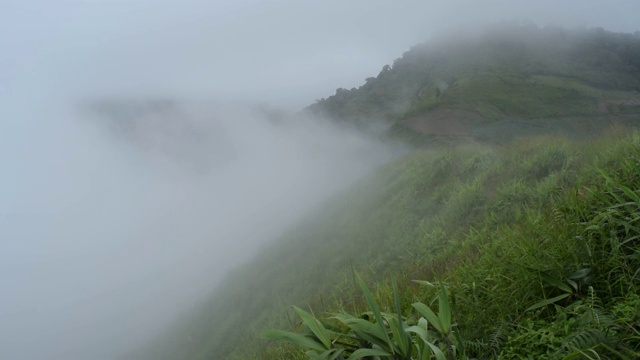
(530, 219)
(506, 81)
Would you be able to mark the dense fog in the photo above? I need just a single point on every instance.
(121, 217)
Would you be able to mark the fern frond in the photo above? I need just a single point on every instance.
(499, 336)
(584, 339)
(476, 347)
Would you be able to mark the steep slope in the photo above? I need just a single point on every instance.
(487, 219)
(539, 253)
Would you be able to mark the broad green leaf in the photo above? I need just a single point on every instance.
(335, 355)
(315, 326)
(546, 302)
(360, 353)
(429, 315)
(364, 329)
(424, 352)
(436, 351)
(294, 338)
(579, 274)
(400, 346)
(555, 282)
(358, 324)
(374, 308)
(423, 323)
(421, 332)
(330, 354)
(312, 354)
(444, 310)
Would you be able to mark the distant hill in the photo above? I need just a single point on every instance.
(506, 81)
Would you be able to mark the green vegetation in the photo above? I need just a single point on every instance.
(535, 242)
(387, 337)
(506, 73)
(497, 97)
(551, 269)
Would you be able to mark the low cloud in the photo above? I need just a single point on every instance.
(124, 214)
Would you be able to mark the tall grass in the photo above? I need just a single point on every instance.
(529, 239)
(553, 252)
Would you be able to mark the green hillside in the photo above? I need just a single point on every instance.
(531, 220)
(551, 80)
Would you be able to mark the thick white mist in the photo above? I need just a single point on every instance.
(109, 234)
(111, 226)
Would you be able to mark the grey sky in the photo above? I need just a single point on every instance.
(286, 52)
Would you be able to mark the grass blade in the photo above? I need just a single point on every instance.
(555, 282)
(404, 342)
(546, 302)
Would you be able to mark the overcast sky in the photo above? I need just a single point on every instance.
(287, 53)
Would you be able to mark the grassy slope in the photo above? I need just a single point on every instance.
(479, 218)
(536, 207)
(474, 215)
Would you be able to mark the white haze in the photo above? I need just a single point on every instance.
(106, 235)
